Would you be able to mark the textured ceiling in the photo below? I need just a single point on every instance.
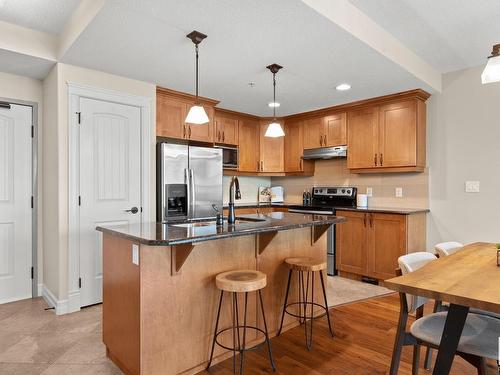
(146, 40)
(42, 15)
(448, 34)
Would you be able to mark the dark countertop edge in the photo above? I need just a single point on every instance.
(219, 236)
(388, 210)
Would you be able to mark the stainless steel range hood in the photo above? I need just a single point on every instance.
(325, 153)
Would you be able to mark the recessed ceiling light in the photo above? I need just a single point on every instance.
(274, 104)
(343, 87)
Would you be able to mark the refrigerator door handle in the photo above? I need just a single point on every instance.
(187, 181)
(192, 194)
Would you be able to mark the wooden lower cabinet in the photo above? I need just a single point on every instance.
(369, 244)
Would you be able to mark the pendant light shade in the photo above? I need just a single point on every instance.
(274, 129)
(491, 72)
(196, 114)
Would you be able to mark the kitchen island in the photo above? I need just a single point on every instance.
(159, 294)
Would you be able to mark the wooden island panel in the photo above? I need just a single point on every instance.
(175, 314)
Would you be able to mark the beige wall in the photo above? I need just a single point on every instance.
(57, 168)
(28, 89)
(334, 172)
(463, 144)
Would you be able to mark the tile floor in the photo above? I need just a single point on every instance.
(34, 341)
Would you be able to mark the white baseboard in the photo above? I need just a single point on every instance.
(64, 306)
(39, 290)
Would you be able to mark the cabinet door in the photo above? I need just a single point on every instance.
(398, 134)
(227, 131)
(272, 151)
(314, 133)
(387, 239)
(248, 145)
(362, 138)
(203, 132)
(170, 116)
(351, 242)
(336, 130)
(294, 146)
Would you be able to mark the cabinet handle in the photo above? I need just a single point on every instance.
(262, 165)
(258, 166)
(364, 220)
(184, 132)
(381, 159)
(189, 131)
(321, 140)
(375, 159)
(371, 220)
(324, 140)
(301, 165)
(223, 137)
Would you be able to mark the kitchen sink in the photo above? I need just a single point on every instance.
(209, 222)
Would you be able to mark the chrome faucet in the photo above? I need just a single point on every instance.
(234, 193)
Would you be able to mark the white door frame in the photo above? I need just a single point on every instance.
(36, 289)
(75, 92)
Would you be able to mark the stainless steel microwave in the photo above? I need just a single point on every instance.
(229, 157)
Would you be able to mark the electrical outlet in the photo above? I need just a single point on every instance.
(135, 254)
(399, 192)
(369, 191)
(472, 186)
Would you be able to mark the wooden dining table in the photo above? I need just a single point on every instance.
(469, 278)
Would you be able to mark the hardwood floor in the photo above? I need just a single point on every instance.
(364, 337)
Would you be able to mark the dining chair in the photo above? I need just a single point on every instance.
(479, 338)
(447, 248)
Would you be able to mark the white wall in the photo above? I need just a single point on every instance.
(463, 144)
(28, 89)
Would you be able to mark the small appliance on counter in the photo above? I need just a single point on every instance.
(362, 200)
(325, 201)
(277, 194)
(264, 194)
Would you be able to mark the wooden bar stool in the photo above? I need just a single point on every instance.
(241, 281)
(310, 267)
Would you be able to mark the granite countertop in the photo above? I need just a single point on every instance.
(388, 210)
(170, 234)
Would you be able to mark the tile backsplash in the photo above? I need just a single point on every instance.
(249, 188)
(334, 172)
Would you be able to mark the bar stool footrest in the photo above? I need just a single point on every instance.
(308, 304)
(255, 347)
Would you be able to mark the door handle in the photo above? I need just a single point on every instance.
(321, 140)
(184, 132)
(375, 159)
(262, 166)
(218, 135)
(223, 137)
(381, 159)
(133, 210)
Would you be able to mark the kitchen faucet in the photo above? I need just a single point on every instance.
(234, 193)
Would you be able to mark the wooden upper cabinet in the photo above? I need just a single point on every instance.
(170, 116)
(203, 132)
(272, 151)
(362, 138)
(314, 133)
(351, 242)
(226, 129)
(336, 130)
(249, 134)
(387, 243)
(398, 134)
(294, 146)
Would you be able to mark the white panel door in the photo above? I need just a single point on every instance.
(15, 203)
(110, 182)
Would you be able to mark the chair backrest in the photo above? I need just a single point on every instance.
(412, 262)
(447, 248)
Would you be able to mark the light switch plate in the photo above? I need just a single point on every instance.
(399, 192)
(472, 186)
(135, 254)
(369, 191)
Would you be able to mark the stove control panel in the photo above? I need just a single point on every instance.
(340, 191)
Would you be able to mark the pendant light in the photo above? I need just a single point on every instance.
(491, 72)
(274, 129)
(196, 114)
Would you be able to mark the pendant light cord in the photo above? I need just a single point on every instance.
(274, 96)
(197, 58)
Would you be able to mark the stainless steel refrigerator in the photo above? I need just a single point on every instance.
(189, 181)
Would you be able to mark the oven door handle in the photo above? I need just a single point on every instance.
(299, 211)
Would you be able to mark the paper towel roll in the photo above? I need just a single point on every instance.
(362, 200)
